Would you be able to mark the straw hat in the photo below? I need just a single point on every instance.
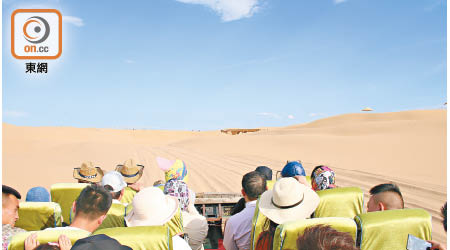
(288, 201)
(151, 208)
(130, 171)
(87, 172)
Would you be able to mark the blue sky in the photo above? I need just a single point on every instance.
(212, 64)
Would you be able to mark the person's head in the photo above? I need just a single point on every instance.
(265, 171)
(292, 169)
(295, 170)
(238, 207)
(88, 173)
(113, 182)
(322, 177)
(323, 237)
(92, 204)
(180, 190)
(10, 205)
(37, 194)
(444, 216)
(130, 171)
(253, 185)
(151, 208)
(48, 246)
(385, 197)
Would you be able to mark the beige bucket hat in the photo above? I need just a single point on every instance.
(151, 208)
(130, 171)
(288, 201)
(87, 172)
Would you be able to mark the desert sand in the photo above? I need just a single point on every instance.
(365, 149)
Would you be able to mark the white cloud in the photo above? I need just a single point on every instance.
(73, 20)
(229, 10)
(129, 61)
(291, 117)
(316, 114)
(14, 114)
(269, 115)
(339, 1)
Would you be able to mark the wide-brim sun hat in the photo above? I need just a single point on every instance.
(151, 208)
(130, 171)
(87, 172)
(288, 201)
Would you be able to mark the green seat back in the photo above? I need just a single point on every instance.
(151, 237)
(175, 224)
(340, 202)
(38, 215)
(17, 241)
(308, 179)
(286, 234)
(128, 195)
(388, 230)
(65, 194)
(270, 184)
(115, 216)
(258, 226)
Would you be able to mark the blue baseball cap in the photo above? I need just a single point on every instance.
(292, 169)
(38, 194)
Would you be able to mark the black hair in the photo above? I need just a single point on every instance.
(238, 207)
(387, 187)
(253, 184)
(10, 190)
(265, 171)
(444, 215)
(114, 195)
(93, 202)
(47, 247)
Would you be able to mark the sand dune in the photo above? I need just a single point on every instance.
(408, 148)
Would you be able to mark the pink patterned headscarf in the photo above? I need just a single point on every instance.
(323, 178)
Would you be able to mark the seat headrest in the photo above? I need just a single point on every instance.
(149, 237)
(340, 202)
(17, 241)
(389, 229)
(38, 215)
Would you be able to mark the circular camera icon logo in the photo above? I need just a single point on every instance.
(36, 29)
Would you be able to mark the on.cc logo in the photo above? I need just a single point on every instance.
(36, 29)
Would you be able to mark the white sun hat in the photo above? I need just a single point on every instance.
(288, 201)
(151, 208)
